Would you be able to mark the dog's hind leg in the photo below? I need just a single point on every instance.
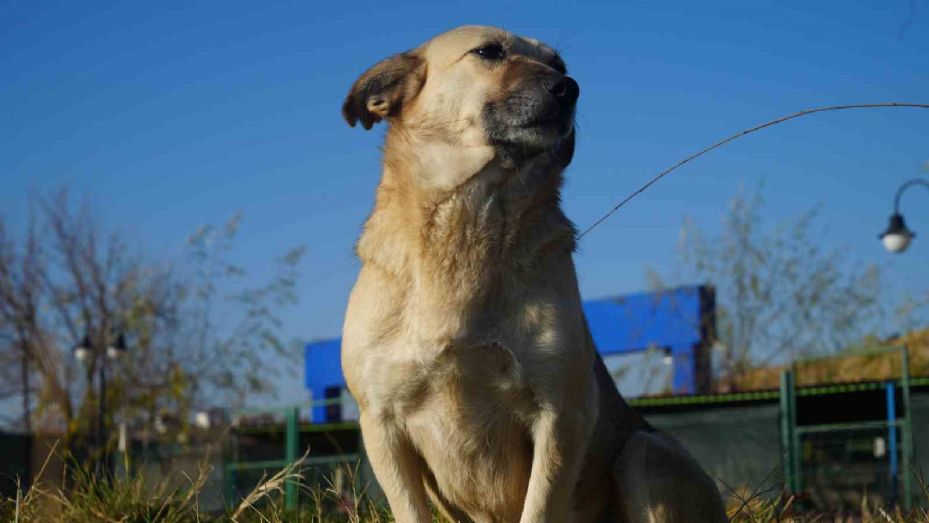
(659, 482)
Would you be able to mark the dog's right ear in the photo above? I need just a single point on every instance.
(381, 90)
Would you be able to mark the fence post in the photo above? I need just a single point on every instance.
(787, 428)
(232, 493)
(293, 442)
(797, 451)
(907, 432)
(891, 393)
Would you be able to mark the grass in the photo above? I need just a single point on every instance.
(91, 498)
(88, 499)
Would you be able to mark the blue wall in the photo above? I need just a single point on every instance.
(680, 321)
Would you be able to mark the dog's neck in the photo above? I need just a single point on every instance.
(490, 225)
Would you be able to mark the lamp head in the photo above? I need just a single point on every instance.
(84, 350)
(117, 348)
(897, 237)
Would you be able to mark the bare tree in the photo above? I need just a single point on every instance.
(67, 276)
(21, 269)
(218, 316)
(780, 294)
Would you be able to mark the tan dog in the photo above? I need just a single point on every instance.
(464, 341)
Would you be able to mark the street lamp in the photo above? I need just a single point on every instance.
(897, 237)
(115, 350)
(83, 351)
(86, 352)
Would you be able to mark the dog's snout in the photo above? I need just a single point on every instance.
(564, 88)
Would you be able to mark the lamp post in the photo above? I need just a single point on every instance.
(897, 237)
(86, 352)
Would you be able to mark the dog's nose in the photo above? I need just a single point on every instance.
(563, 88)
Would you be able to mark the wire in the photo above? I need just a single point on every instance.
(735, 136)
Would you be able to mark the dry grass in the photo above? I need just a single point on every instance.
(126, 500)
(758, 506)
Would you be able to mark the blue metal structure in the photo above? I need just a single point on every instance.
(323, 372)
(680, 321)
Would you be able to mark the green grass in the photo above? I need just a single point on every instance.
(88, 498)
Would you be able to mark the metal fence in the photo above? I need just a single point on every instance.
(330, 453)
(827, 445)
(827, 452)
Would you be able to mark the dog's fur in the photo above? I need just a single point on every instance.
(464, 342)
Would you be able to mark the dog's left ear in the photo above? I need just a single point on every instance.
(382, 90)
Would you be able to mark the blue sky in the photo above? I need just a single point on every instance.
(171, 115)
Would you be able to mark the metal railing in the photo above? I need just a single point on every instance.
(292, 429)
(791, 432)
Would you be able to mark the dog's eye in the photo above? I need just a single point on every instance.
(493, 51)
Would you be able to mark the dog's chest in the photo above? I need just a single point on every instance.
(472, 381)
(472, 415)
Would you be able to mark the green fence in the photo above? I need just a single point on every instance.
(751, 440)
(793, 433)
(797, 438)
(259, 450)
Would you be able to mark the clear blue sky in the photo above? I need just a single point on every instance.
(171, 115)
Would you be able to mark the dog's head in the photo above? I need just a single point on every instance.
(479, 91)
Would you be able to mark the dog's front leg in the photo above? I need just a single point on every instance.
(559, 445)
(398, 469)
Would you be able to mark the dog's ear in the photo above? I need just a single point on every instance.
(381, 90)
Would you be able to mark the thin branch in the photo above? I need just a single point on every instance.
(736, 136)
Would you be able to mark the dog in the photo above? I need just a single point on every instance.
(479, 388)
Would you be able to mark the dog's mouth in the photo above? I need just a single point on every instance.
(559, 121)
(509, 126)
(560, 124)
(535, 116)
